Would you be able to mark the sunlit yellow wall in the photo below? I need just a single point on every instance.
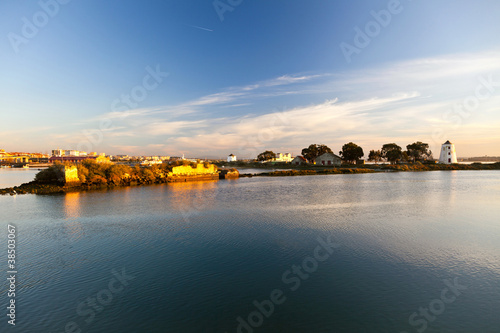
(71, 174)
(187, 170)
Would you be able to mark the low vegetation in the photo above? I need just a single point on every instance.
(90, 172)
(93, 175)
(293, 172)
(418, 166)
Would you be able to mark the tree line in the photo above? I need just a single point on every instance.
(351, 152)
(391, 152)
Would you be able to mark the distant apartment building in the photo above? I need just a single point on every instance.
(71, 153)
(78, 159)
(151, 162)
(21, 158)
(121, 158)
(14, 158)
(75, 156)
(57, 152)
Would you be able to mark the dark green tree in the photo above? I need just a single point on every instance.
(418, 151)
(266, 156)
(351, 152)
(51, 174)
(405, 157)
(392, 152)
(375, 156)
(310, 153)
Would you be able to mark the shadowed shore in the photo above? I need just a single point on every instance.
(369, 168)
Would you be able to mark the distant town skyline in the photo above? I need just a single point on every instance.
(173, 78)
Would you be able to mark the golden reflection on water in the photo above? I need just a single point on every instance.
(182, 186)
(72, 207)
(191, 197)
(72, 204)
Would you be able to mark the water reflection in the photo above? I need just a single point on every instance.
(71, 207)
(10, 177)
(71, 204)
(205, 251)
(193, 197)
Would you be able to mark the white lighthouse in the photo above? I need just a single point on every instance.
(448, 154)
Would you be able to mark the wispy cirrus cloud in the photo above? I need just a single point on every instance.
(223, 99)
(254, 90)
(398, 102)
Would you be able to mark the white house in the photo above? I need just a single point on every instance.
(448, 153)
(328, 159)
(299, 160)
(231, 158)
(283, 157)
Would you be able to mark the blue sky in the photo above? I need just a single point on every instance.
(209, 78)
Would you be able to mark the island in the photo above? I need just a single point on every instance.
(90, 175)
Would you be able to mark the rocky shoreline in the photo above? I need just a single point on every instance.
(35, 187)
(87, 176)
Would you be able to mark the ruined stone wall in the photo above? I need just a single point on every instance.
(187, 170)
(68, 174)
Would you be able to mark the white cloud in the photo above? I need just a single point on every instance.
(171, 127)
(401, 102)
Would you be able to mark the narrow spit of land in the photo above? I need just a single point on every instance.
(290, 170)
(93, 176)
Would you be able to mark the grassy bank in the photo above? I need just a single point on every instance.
(368, 168)
(294, 172)
(433, 167)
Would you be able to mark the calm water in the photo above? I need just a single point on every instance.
(197, 255)
(10, 177)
